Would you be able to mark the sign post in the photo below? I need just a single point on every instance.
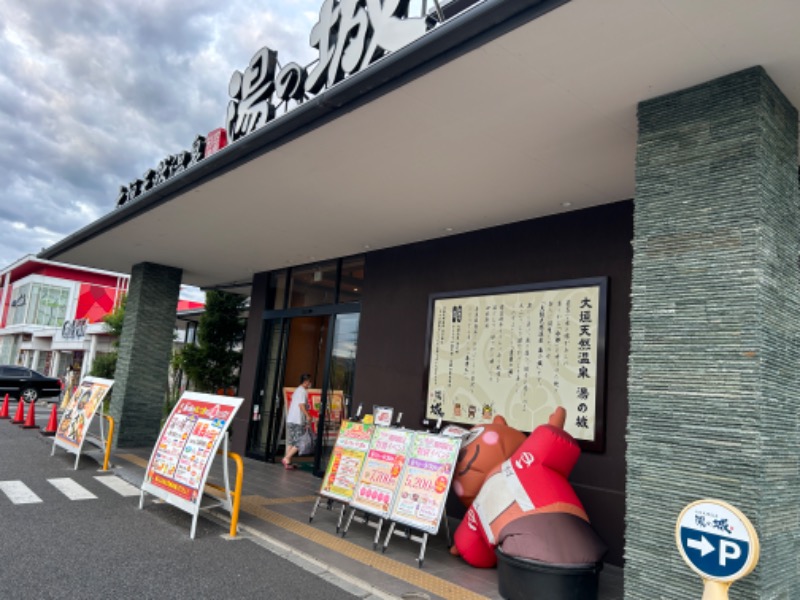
(718, 542)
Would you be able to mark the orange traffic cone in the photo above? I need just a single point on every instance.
(19, 415)
(52, 424)
(4, 411)
(30, 421)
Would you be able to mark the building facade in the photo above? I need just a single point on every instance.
(516, 147)
(52, 315)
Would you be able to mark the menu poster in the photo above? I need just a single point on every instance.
(426, 481)
(347, 458)
(520, 352)
(188, 442)
(79, 411)
(380, 476)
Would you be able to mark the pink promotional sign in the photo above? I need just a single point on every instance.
(187, 445)
(380, 475)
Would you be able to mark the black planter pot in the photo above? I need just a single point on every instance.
(525, 579)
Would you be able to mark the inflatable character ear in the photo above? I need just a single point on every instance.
(558, 418)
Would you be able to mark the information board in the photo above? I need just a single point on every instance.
(181, 459)
(347, 458)
(520, 352)
(79, 412)
(380, 477)
(426, 481)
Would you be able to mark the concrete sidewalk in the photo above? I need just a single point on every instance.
(275, 512)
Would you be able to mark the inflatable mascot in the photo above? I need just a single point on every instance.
(484, 447)
(527, 505)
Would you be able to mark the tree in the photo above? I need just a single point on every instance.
(213, 363)
(105, 365)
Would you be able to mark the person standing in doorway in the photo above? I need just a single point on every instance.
(296, 418)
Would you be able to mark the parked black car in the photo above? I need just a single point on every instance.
(21, 382)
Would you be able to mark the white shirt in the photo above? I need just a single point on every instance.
(299, 398)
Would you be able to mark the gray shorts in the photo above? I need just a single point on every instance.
(293, 433)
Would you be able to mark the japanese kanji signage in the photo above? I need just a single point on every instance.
(348, 37)
(520, 353)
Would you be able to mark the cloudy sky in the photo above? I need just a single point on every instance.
(93, 93)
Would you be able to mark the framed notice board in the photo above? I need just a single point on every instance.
(520, 352)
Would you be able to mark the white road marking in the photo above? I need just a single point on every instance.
(72, 489)
(122, 487)
(18, 492)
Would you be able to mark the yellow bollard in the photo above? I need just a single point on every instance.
(109, 438)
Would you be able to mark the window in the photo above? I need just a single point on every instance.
(330, 282)
(39, 304)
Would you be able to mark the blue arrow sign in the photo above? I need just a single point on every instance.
(715, 555)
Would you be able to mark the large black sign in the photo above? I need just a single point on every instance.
(349, 36)
(172, 165)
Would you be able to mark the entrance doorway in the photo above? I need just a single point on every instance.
(321, 342)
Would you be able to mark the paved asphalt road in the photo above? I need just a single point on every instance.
(105, 547)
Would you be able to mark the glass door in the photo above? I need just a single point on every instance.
(322, 343)
(338, 385)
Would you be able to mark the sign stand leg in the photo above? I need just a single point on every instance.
(314, 511)
(329, 504)
(422, 547)
(377, 533)
(194, 525)
(225, 472)
(388, 537)
(407, 534)
(715, 590)
(349, 520)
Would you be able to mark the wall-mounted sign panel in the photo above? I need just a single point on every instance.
(520, 352)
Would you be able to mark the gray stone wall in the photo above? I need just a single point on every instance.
(140, 382)
(713, 384)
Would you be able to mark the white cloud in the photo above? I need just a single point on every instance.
(93, 93)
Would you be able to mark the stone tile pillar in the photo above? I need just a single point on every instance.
(713, 379)
(140, 381)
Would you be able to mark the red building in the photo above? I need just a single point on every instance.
(51, 314)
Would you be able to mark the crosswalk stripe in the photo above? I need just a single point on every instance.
(122, 487)
(18, 492)
(72, 489)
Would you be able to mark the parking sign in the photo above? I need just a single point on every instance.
(716, 540)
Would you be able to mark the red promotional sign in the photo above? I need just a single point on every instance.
(179, 464)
